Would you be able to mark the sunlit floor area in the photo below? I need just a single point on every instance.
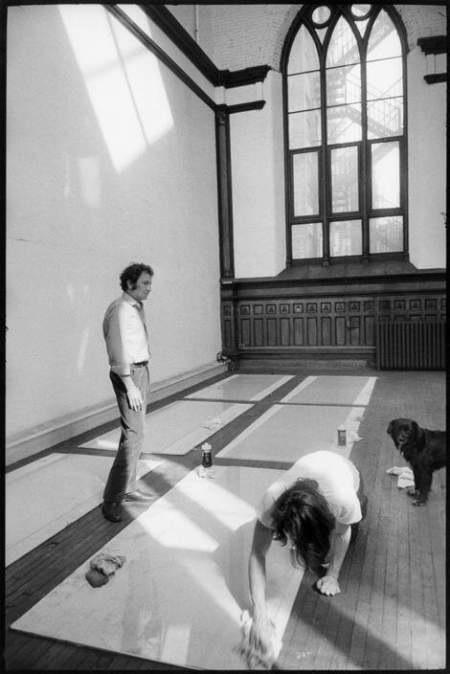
(178, 598)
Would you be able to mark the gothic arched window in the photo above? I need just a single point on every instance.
(344, 74)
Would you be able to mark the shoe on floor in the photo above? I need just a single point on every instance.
(138, 496)
(111, 511)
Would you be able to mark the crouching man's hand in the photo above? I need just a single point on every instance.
(328, 585)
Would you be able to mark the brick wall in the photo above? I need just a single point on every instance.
(240, 36)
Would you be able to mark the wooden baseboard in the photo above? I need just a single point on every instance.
(44, 436)
(299, 365)
(305, 358)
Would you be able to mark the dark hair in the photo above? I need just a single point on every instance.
(302, 514)
(132, 273)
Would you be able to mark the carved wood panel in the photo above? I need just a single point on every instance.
(320, 321)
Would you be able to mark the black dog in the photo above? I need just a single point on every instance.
(423, 449)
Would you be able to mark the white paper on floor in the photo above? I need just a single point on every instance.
(250, 387)
(287, 432)
(333, 390)
(180, 594)
(405, 476)
(177, 428)
(44, 496)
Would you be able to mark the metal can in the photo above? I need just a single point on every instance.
(341, 436)
(206, 455)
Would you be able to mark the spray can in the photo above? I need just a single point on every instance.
(206, 455)
(341, 436)
(205, 469)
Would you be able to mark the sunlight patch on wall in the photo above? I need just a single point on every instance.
(123, 81)
(90, 183)
(81, 359)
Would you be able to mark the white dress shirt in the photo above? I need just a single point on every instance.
(125, 334)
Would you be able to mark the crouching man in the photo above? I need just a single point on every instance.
(311, 508)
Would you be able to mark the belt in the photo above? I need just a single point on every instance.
(141, 364)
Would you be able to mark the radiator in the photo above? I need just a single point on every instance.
(410, 346)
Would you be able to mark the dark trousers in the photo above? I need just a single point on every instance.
(122, 476)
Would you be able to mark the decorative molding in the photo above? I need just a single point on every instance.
(181, 38)
(186, 43)
(437, 44)
(245, 107)
(270, 318)
(172, 28)
(239, 78)
(435, 78)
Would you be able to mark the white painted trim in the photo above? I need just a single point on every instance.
(44, 436)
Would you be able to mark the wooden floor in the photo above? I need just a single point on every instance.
(392, 581)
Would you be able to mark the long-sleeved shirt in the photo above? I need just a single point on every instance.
(125, 334)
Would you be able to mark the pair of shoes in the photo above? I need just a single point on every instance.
(111, 511)
(138, 495)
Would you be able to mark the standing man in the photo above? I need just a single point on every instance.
(126, 340)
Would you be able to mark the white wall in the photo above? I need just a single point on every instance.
(110, 159)
(427, 143)
(258, 185)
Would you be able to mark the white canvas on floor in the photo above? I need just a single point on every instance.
(177, 428)
(44, 496)
(180, 594)
(333, 390)
(250, 387)
(286, 432)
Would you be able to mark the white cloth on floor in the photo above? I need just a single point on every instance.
(102, 567)
(212, 423)
(252, 656)
(405, 476)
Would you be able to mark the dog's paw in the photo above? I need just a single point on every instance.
(419, 502)
(411, 491)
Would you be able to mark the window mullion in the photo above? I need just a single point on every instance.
(364, 177)
(325, 174)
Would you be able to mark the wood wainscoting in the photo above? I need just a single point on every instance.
(289, 321)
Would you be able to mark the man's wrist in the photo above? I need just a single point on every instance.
(332, 574)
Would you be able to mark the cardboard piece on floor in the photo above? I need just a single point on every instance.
(287, 432)
(44, 496)
(179, 596)
(250, 387)
(177, 428)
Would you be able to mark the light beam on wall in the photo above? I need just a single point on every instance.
(123, 81)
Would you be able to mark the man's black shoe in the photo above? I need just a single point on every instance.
(140, 496)
(111, 512)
